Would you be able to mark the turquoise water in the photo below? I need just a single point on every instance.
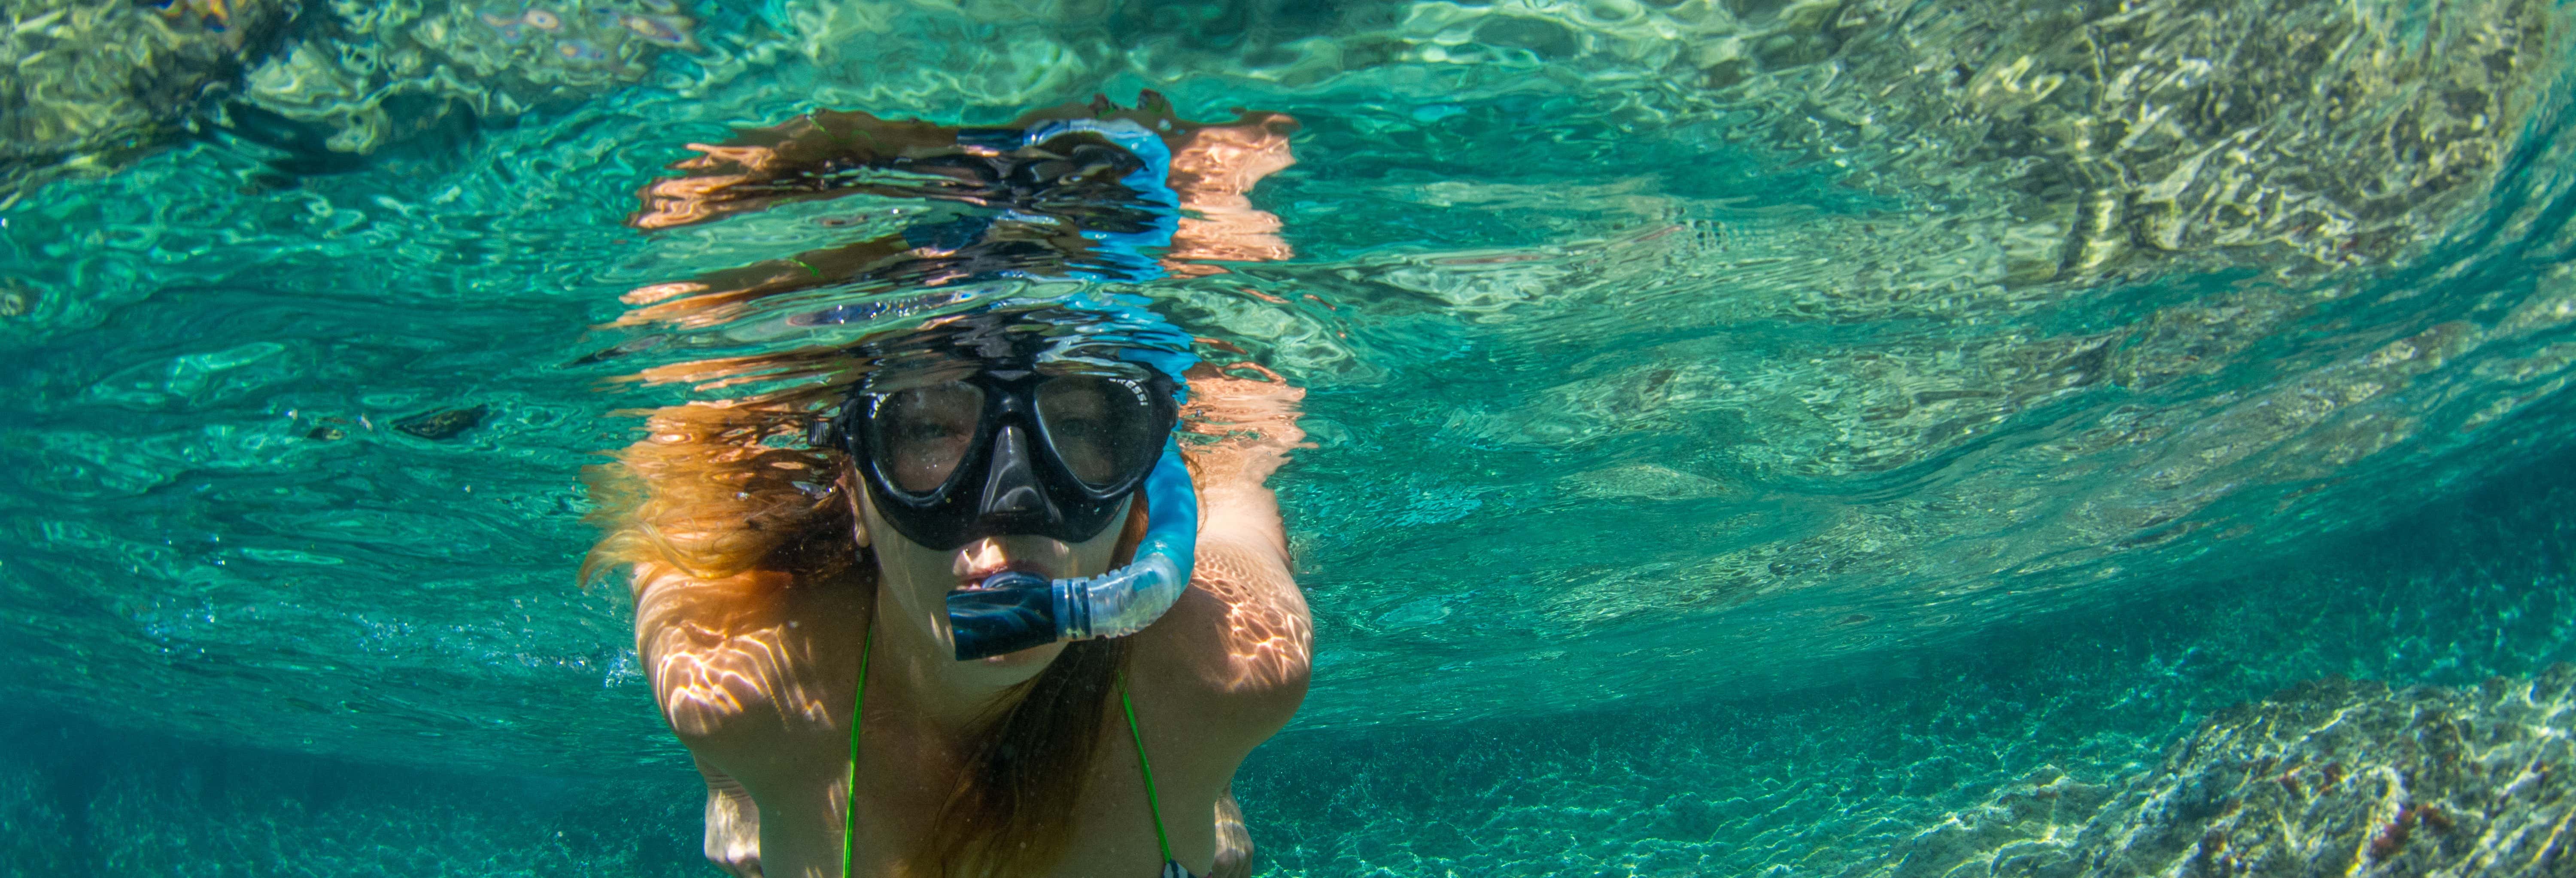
(1744, 435)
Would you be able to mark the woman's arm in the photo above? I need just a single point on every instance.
(1226, 668)
(751, 693)
(1266, 634)
(711, 686)
(713, 651)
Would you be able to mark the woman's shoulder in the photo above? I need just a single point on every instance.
(1236, 648)
(1240, 639)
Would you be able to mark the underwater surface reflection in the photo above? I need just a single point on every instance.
(1743, 436)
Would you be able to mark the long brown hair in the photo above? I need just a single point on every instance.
(1010, 813)
(1027, 764)
(708, 494)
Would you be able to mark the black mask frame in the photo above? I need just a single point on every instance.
(1010, 480)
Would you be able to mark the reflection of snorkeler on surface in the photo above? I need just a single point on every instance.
(985, 460)
(1075, 190)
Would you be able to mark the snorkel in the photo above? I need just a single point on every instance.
(1127, 254)
(1012, 610)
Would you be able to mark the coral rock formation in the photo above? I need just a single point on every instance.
(91, 82)
(2331, 777)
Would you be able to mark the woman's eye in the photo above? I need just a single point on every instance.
(932, 431)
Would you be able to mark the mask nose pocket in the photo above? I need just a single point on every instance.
(1011, 490)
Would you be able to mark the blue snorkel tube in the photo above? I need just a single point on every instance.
(1127, 253)
(1011, 610)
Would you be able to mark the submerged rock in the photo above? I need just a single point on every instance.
(16, 298)
(2113, 133)
(95, 84)
(92, 82)
(376, 74)
(2332, 777)
(2343, 132)
(442, 424)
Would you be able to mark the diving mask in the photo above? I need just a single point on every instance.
(1009, 450)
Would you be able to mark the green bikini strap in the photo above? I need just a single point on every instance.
(858, 703)
(850, 808)
(1152, 803)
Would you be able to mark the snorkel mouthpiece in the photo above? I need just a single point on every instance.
(1014, 610)
(1008, 612)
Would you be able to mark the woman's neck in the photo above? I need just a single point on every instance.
(924, 673)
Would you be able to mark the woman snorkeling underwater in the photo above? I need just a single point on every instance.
(994, 619)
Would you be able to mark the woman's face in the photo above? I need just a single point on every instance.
(917, 578)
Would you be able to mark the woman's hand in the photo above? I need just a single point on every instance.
(733, 825)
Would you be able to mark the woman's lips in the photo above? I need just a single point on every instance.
(982, 560)
(975, 578)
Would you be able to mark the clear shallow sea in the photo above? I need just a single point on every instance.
(1745, 435)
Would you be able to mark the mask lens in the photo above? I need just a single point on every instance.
(1103, 429)
(918, 436)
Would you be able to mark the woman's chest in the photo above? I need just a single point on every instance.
(909, 804)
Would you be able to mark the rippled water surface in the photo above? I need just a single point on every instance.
(1742, 433)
